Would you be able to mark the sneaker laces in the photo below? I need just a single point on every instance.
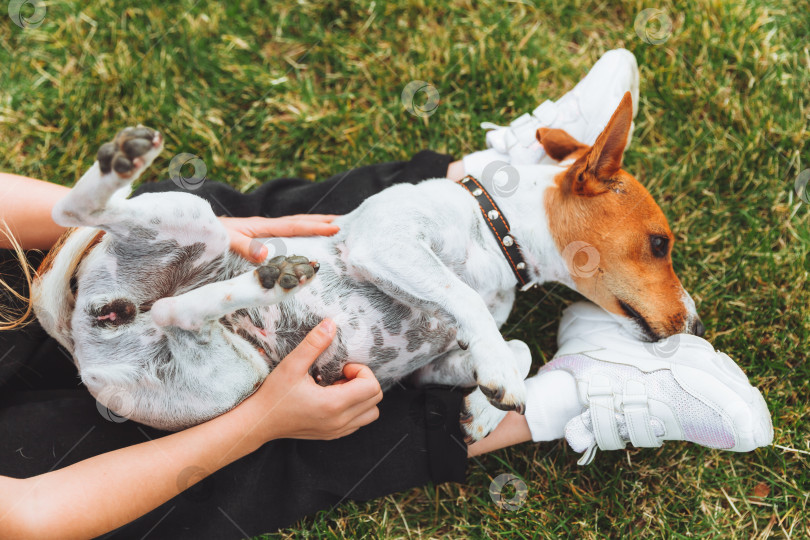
(580, 437)
(602, 426)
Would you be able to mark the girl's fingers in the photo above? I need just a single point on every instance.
(249, 248)
(364, 419)
(325, 218)
(361, 408)
(307, 228)
(353, 370)
(242, 229)
(361, 386)
(298, 362)
(264, 227)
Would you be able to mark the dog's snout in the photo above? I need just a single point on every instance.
(698, 329)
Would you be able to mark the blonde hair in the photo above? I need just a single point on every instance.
(12, 318)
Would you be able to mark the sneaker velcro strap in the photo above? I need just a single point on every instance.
(510, 140)
(521, 120)
(603, 415)
(546, 113)
(524, 129)
(637, 416)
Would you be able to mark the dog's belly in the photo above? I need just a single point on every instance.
(393, 341)
(393, 338)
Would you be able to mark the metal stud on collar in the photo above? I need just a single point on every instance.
(499, 227)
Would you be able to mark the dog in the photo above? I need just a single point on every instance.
(153, 306)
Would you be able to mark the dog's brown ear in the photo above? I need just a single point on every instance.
(558, 144)
(605, 157)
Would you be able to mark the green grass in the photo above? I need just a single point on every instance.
(260, 90)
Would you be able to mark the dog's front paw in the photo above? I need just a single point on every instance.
(130, 153)
(478, 417)
(287, 272)
(500, 378)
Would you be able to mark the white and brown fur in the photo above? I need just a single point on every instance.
(152, 305)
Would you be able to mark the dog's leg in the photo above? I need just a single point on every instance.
(456, 368)
(143, 224)
(453, 368)
(92, 201)
(412, 271)
(269, 284)
(478, 416)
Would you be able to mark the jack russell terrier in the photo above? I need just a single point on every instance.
(149, 300)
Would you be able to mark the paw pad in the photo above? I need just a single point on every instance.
(288, 272)
(121, 155)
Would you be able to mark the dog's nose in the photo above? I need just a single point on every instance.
(698, 329)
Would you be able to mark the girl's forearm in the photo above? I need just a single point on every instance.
(102, 493)
(25, 205)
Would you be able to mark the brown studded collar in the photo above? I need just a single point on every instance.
(500, 228)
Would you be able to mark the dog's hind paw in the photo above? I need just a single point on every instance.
(499, 397)
(287, 272)
(478, 417)
(132, 150)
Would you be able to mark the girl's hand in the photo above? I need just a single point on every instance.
(290, 404)
(99, 494)
(243, 231)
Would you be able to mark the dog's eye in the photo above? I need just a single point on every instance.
(659, 245)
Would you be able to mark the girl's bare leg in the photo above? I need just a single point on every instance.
(552, 400)
(512, 430)
(455, 171)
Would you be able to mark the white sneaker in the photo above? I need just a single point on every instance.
(583, 112)
(679, 389)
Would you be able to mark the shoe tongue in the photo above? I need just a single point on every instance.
(580, 436)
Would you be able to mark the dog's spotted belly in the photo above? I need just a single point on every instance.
(393, 338)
